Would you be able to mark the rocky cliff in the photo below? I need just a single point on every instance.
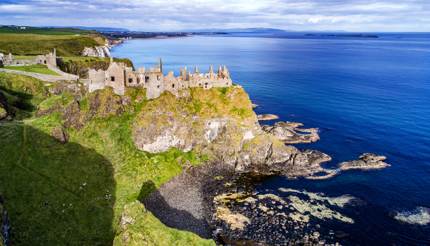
(220, 124)
(96, 51)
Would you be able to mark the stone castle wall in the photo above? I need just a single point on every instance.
(119, 76)
(49, 60)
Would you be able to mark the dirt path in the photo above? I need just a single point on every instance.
(44, 77)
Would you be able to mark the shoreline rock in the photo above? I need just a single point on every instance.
(292, 133)
(267, 117)
(366, 161)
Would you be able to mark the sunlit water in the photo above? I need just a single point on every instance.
(365, 95)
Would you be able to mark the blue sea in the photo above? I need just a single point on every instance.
(364, 94)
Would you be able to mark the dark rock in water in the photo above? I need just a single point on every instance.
(366, 161)
(4, 225)
(291, 133)
(60, 134)
(267, 117)
(289, 218)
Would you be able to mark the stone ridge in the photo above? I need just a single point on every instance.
(119, 76)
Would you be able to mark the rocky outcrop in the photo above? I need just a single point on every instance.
(97, 51)
(267, 117)
(216, 131)
(366, 161)
(98, 104)
(60, 134)
(291, 133)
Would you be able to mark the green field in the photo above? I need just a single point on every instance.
(42, 30)
(35, 41)
(78, 193)
(38, 68)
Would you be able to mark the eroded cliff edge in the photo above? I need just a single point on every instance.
(220, 124)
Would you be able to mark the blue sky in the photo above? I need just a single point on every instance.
(157, 15)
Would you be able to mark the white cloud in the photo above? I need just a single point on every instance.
(14, 8)
(357, 15)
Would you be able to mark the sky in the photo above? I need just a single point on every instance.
(178, 15)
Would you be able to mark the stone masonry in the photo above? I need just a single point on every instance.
(119, 76)
(49, 60)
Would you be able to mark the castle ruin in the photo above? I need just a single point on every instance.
(119, 76)
(50, 60)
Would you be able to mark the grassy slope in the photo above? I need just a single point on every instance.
(35, 41)
(77, 192)
(33, 69)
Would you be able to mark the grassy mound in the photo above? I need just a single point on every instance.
(85, 191)
(38, 68)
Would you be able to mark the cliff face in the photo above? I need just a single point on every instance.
(96, 51)
(220, 124)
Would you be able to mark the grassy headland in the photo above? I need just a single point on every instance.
(35, 41)
(85, 191)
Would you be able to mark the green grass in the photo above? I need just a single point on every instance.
(37, 68)
(76, 193)
(26, 44)
(22, 93)
(41, 30)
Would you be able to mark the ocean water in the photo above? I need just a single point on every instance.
(365, 95)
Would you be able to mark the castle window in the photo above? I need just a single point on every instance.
(173, 85)
(44, 62)
(146, 79)
(130, 80)
(112, 78)
(138, 80)
(158, 86)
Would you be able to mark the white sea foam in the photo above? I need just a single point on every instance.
(418, 216)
